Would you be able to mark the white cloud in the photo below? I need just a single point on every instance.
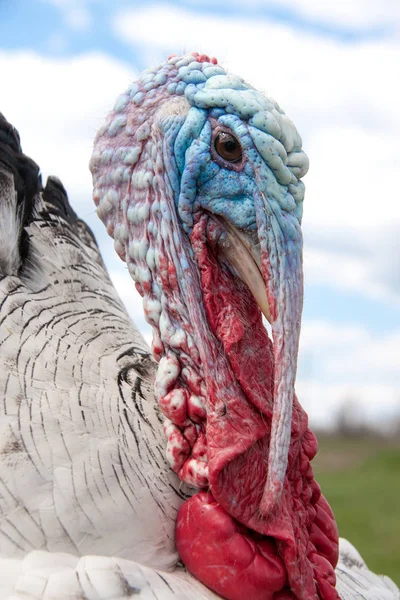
(346, 364)
(372, 270)
(352, 214)
(369, 359)
(298, 68)
(376, 405)
(317, 335)
(350, 352)
(58, 105)
(357, 15)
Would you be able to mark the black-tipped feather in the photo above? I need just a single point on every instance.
(26, 174)
(28, 185)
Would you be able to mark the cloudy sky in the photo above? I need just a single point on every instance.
(334, 66)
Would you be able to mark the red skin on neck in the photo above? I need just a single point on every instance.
(221, 536)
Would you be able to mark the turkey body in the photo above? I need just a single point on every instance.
(83, 471)
(78, 406)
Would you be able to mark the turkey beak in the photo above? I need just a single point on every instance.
(245, 258)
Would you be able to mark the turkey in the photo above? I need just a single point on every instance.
(184, 472)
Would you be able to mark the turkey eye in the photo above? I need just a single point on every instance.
(228, 147)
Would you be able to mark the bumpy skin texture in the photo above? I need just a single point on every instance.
(260, 529)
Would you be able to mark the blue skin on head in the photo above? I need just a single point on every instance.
(266, 135)
(168, 127)
(223, 189)
(273, 161)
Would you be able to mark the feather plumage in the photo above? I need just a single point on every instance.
(52, 576)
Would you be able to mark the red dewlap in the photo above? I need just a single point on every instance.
(223, 554)
(221, 535)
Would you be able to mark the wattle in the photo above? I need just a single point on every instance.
(291, 553)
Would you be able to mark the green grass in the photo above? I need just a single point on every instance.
(361, 480)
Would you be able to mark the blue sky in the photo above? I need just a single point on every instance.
(88, 25)
(332, 66)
